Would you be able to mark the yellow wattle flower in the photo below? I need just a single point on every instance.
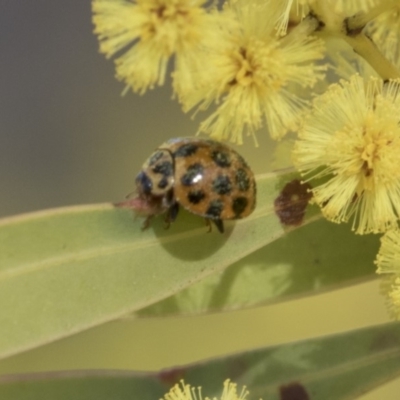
(250, 73)
(388, 262)
(385, 31)
(147, 33)
(388, 258)
(187, 392)
(351, 141)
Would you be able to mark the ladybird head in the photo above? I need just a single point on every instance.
(144, 184)
(156, 178)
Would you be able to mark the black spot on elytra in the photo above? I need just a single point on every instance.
(155, 157)
(144, 182)
(186, 150)
(165, 168)
(242, 180)
(196, 196)
(239, 205)
(193, 175)
(222, 185)
(220, 158)
(215, 209)
(163, 183)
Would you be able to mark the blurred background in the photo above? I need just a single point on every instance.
(67, 136)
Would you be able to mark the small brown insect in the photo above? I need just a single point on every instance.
(205, 177)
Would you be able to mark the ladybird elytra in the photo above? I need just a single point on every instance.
(205, 177)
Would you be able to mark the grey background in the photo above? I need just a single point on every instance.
(67, 136)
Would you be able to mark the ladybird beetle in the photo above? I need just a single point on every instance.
(205, 177)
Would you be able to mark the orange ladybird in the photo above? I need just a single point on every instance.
(205, 177)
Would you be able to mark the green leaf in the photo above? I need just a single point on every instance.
(63, 271)
(329, 368)
(318, 257)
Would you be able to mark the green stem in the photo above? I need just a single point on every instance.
(366, 48)
(350, 30)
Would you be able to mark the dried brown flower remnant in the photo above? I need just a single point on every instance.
(291, 204)
(293, 391)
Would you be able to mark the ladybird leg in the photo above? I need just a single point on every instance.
(219, 224)
(167, 221)
(168, 199)
(130, 194)
(172, 213)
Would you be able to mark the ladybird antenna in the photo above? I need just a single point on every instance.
(130, 194)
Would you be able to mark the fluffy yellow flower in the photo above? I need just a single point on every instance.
(300, 8)
(393, 295)
(388, 261)
(186, 392)
(388, 258)
(150, 32)
(349, 7)
(249, 73)
(385, 31)
(289, 7)
(390, 289)
(351, 141)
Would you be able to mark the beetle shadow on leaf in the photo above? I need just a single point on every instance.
(318, 257)
(189, 238)
(315, 258)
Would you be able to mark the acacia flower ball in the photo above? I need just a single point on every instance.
(253, 75)
(388, 262)
(388, 258)
(385, 30)
(148, 33)
(351, 141)
(187, 392)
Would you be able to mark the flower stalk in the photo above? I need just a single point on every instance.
(367, 49)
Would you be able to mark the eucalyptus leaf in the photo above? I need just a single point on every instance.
(63, 271)
(330, 368)
(318, 257)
